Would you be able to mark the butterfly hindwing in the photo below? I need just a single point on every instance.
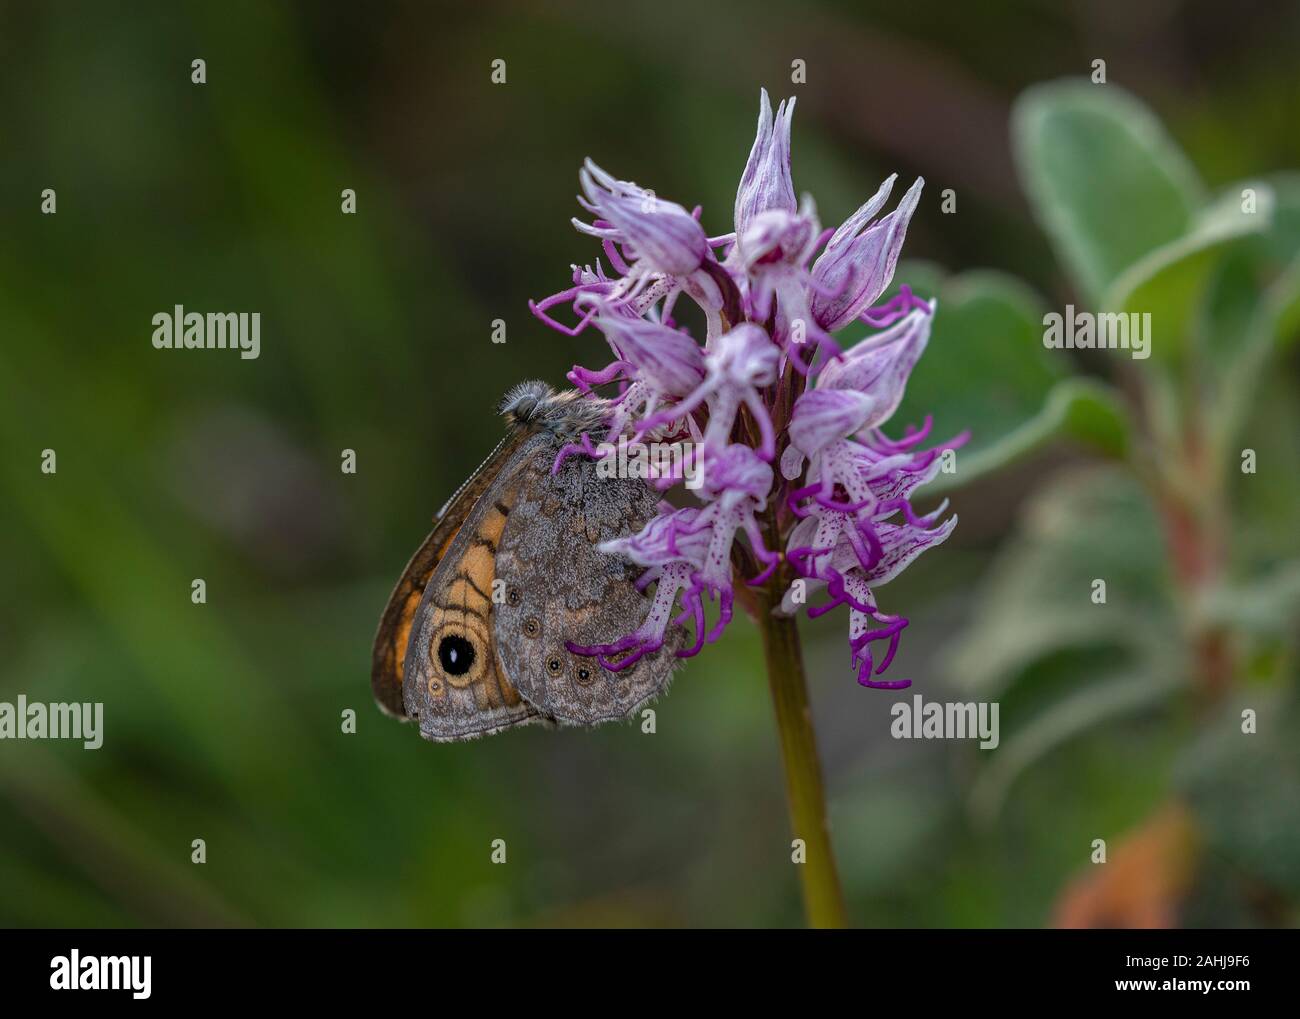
(559, 588)
(453, 681)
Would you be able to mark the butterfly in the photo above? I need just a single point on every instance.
(475, 637)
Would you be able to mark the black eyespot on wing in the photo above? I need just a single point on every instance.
(532, 627)
(456, 655)
(554, 666)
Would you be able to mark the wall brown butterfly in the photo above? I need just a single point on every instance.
(474, 638)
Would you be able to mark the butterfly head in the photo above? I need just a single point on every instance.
(536, 407)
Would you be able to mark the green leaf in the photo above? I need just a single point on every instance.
(1281, 245)
(1058, 662)
(1170, 283)
(1283, 303)
(1126, 692)
(1264, 503)
(985, 368)
(1085, 410)
(1266, 605)
(1242, 788)
(1107, 183)
(1037, 598)
(1255, 309)
(986, 371)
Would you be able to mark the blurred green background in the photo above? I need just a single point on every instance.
(222, 721)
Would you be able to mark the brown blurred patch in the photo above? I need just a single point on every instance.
(1143, 881)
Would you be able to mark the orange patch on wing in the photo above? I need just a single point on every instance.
(403, 634)
(466, 604)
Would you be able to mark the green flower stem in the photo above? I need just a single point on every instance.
(823, 900)
(818, 876)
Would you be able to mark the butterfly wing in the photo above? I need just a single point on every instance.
(453, 681)
(559, 588)
(388, 656)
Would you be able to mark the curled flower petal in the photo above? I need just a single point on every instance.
(792, 461)
(744, 356)
(859, 260)
(765, 184)
(880, 365)
(902, 545)
(736, 471)
(823, 415)
(659, 231)
(740, 361)
(780, 236)
(678, 536)
(668, 360)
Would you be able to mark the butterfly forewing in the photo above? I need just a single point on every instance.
(389, 653)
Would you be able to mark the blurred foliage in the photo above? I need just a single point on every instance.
(223, 720)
